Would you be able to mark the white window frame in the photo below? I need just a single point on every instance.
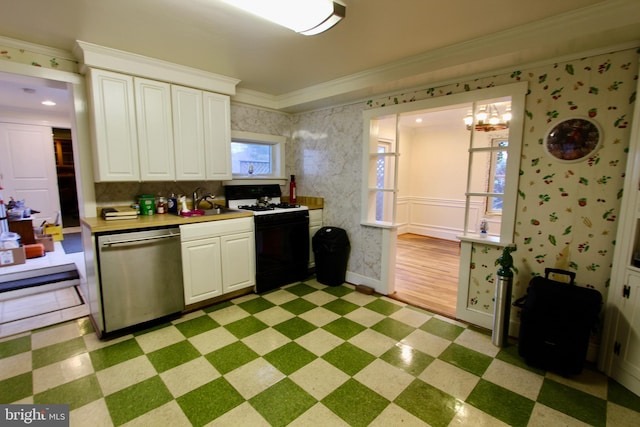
(492, 174)
(383, 203)
(278, 147)
(517, 92)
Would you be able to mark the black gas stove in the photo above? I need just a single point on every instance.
(269, 207)
(281, 231)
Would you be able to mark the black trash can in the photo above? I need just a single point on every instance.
(331, 250)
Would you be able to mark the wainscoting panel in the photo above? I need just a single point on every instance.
(439, 218)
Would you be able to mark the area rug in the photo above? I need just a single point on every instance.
(72, 243)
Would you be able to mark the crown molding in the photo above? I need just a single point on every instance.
(94, 56)
(594, 28)
(255, 98)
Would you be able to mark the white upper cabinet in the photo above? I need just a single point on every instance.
(217, 136)
(170, 122)
(188, 133)
(146, 130)
(155, 130)
(113, 126)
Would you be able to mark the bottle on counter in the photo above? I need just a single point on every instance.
(161, 206)
(292, 190)
(172, 204)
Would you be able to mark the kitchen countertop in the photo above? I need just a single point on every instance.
(99, 225)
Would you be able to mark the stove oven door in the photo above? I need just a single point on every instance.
(282, 249)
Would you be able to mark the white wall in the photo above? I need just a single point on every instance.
(432, 180)
(437, 176)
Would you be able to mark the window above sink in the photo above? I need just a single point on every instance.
(256, 156)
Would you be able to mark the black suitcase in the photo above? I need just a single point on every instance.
(555, 323)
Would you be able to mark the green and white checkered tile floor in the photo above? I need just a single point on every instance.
(303, 355)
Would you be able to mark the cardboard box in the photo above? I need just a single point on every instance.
(47, 241)
(9, 257)
(55, 231)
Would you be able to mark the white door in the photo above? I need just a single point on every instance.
(28, 168)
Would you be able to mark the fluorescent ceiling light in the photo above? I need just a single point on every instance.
(308, 17)
(48, 103)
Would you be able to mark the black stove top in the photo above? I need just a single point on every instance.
(268, 207)
(257, 208)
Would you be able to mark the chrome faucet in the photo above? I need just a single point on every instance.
(204, 197)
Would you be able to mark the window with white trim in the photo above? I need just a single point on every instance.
(257, 156)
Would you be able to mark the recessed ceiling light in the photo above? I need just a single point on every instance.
(48, 103)
(418, 120)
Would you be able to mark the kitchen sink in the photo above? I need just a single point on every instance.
(209, 212)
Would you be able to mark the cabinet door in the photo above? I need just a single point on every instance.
(627, 359)
(188, 133)
(217, 136)
(238, 258)
(114, 126)
(201, 269)
(155, 131)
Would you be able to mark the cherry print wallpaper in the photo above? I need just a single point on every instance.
(37, 57)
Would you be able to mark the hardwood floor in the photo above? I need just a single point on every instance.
(427, 273)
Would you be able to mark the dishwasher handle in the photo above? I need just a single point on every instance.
(138, 240)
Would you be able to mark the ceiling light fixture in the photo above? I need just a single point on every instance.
(48, 103)
(489, 119)
(308, 17)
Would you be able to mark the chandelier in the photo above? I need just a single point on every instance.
(489, 119)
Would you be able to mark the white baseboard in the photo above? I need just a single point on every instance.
(358, 279)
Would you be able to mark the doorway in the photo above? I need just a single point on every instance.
(21, 99)
(431, 180)
(468, 214)
(67, 189)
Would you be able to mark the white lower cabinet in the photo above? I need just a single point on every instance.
(238, 260)
(201, 269)
(315, 224)
(218, 257)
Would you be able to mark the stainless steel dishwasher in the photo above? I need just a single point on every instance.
(140, 276)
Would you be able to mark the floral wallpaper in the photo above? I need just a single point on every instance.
(567, 212)
(36, 59)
